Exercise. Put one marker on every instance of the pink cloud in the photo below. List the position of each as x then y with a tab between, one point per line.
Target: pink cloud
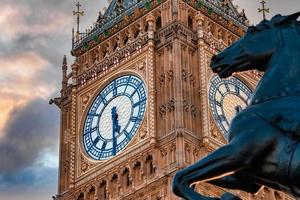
13	22
19	82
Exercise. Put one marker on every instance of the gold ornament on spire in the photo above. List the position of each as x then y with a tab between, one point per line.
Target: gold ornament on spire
264	10
78	13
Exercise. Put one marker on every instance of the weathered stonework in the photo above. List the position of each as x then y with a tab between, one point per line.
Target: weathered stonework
169	46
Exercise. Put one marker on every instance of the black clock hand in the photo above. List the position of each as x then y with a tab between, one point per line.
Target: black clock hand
238	109
113	116
116	127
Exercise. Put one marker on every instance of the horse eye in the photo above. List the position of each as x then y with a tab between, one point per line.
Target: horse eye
252	29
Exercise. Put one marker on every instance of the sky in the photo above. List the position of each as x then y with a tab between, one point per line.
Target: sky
35	34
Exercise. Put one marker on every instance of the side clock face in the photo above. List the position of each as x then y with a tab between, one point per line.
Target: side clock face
114	117
227	98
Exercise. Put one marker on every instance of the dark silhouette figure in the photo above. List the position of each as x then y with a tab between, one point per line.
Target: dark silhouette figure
263	148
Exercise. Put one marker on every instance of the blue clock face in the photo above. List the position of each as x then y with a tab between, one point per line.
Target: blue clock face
227	98
114	117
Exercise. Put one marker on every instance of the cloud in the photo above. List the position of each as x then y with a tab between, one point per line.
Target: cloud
21	73
31	183
29	152
32	18
21	80
31	131
12	17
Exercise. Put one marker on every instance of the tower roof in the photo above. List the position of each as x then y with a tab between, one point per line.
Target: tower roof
118	9
119	6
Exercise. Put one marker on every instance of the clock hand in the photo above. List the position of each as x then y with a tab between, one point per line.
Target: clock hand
116	127
238	109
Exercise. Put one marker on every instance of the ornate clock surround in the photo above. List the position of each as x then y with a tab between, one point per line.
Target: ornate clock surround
226	97
113	90
86	95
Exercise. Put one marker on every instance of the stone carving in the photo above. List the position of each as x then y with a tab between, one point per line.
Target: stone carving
162	111
185	105
263	142
143	132
193	111
184	75
171	105
83	164
170	75
161	80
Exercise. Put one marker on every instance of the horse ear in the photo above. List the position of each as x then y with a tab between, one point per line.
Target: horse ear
286	19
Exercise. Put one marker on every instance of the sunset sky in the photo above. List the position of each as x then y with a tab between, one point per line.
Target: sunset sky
35	34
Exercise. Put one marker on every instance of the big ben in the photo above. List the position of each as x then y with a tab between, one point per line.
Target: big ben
140	102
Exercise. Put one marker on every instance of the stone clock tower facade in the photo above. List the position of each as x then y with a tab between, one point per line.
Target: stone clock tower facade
140	101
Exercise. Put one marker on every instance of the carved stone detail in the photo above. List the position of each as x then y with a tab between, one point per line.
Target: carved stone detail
161	80
162	111
171	105
84	166
170	75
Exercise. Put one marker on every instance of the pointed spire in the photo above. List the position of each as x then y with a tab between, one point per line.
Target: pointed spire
65	60
64	75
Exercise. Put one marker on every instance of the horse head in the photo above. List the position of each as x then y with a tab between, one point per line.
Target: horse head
255	49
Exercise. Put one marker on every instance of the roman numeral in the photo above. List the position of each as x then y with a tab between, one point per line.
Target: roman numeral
222	118
237	90
127	83
89	148
217	103
220	92
115	89
95	142
103	99
138	103
91	130
227	88
93	114
104	145
136	89
126	134
135	119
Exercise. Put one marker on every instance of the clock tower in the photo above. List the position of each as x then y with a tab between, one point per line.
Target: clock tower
140	101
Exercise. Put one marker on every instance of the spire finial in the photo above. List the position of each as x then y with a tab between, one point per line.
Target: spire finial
264	10
64	74
65	60
78	13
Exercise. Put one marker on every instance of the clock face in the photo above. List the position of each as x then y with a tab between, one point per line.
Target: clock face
226	98
114	117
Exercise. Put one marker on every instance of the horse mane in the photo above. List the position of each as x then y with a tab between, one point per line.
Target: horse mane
279	20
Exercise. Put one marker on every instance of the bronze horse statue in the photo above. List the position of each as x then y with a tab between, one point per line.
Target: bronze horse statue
263	145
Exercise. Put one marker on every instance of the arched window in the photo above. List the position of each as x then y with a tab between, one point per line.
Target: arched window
115	45
114	190
146	27
91	194
126	38
158	23
102	194
190	22
149	165
136	33
81	196
137	173
126	178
